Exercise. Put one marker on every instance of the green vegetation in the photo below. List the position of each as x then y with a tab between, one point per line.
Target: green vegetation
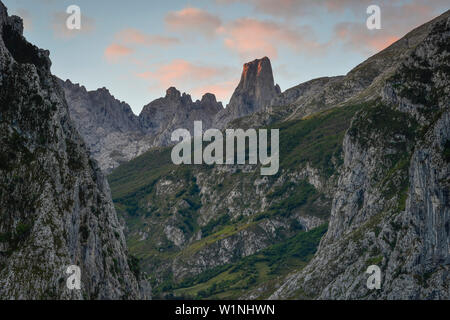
211	226
133	181
149	192
374	261
5	237
394	127
231	281
22	231
316	139
304	193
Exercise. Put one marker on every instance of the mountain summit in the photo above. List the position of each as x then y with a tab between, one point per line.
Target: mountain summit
115	135
254	92
163	116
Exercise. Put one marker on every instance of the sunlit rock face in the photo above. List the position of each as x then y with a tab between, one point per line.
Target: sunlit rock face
254	92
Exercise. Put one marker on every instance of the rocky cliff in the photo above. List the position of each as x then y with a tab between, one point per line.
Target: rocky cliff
112	132
255	91
329	92
163	116
392	204
115	135
55	204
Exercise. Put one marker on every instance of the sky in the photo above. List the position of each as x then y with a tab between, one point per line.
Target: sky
139	48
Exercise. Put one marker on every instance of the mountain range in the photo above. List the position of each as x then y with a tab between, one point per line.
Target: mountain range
363	162
364	180
115	135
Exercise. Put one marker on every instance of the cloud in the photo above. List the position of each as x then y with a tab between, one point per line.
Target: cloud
277	8
361	39
132	36
115	52
396	21
26	17
61	31
191	77
252	38
193	20
181	72
397	17
295	8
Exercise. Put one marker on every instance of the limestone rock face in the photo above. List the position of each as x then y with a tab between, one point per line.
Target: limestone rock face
115	135
163	116
254	92
109	127
391	207
55	204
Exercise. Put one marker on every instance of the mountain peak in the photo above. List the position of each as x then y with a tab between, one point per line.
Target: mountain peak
254	92
257	69
172	92
262	67
209	98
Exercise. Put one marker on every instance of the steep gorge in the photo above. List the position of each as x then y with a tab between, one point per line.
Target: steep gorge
369	147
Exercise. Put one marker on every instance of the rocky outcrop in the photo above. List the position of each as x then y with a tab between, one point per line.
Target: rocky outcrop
361	84
392	208
165	115
195	223
112	132
255	91
55	204
115	135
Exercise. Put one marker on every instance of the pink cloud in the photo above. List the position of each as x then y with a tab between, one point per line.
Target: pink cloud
181	72
396	21
114	52
363	40
295	8
193	20
197	79
254	38
381	43
136	37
